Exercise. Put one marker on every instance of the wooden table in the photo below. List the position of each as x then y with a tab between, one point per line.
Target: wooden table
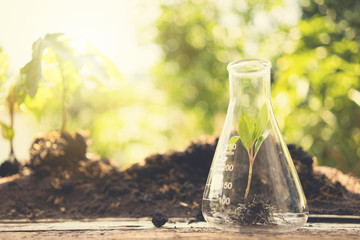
121	228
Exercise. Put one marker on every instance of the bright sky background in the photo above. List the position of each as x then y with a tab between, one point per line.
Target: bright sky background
110	25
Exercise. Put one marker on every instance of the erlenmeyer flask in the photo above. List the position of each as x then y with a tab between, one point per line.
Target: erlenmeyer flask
253	185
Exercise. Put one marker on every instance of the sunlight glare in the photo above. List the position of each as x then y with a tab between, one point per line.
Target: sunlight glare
108	25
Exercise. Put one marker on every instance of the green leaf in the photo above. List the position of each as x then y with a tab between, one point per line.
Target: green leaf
16	93
261	122
232	141
60	46
7	132
244	132
258	144
31	72
251	125
259	141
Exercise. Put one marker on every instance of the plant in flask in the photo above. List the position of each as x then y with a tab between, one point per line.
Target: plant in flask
252	184
252	135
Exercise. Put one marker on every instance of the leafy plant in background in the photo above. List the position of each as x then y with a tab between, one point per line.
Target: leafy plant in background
13	92
125	124
32	71
252	135
65	64
16	93
24	88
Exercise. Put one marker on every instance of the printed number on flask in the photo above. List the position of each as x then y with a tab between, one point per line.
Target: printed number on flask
229	167
227	185
224	201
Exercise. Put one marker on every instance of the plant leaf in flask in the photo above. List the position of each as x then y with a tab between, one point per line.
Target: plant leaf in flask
252	185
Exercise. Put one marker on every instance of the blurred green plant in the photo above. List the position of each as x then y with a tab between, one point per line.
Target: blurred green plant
62	66
198	38
317	85
315	75
127	118
13	91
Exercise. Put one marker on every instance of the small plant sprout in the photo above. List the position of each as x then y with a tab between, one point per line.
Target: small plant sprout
12	94
15	96
252	135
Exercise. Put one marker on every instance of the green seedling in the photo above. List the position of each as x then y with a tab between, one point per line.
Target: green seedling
252	135
32	71
13	92
14	97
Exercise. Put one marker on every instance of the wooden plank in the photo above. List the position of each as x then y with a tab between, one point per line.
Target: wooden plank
175	229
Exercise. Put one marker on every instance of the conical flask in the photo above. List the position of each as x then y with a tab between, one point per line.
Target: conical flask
253	185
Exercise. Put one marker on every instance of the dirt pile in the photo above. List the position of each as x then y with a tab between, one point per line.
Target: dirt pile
57	152
83	186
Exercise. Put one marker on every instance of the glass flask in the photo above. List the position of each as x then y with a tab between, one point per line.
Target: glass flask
253	185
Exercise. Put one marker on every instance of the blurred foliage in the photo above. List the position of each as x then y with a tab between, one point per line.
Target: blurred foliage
127	118
317	85
62	66
198	38
13	91
315	67
313	46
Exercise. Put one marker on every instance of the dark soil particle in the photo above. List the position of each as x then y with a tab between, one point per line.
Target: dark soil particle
64	182
159	219
8	168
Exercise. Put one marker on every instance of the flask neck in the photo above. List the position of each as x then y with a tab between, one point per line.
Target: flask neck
249	84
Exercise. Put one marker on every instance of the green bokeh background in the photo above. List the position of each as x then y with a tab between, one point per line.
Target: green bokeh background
314	50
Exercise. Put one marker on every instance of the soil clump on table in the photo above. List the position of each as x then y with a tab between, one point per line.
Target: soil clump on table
61	181
9	167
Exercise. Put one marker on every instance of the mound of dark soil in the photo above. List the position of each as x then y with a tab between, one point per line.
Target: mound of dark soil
56	152
170	183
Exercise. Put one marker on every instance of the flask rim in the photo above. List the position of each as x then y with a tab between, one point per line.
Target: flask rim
249	65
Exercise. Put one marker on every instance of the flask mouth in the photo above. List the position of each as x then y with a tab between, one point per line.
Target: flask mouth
248	66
